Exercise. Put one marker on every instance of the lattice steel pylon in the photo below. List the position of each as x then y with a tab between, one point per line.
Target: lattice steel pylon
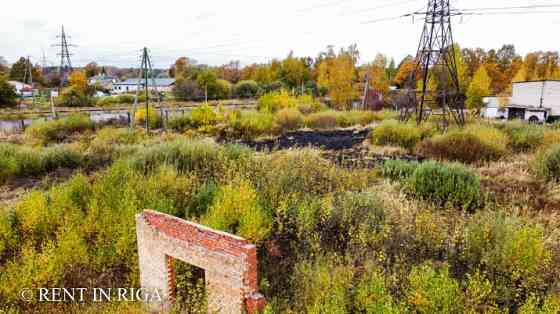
146	74
65	67
436	57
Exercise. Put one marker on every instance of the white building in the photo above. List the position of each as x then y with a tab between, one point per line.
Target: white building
535	101
22	88
131	85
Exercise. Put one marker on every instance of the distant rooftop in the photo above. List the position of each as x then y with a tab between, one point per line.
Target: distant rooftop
159	81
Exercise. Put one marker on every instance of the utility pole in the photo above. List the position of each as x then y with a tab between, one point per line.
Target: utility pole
436	56
366	91
145	74
65	67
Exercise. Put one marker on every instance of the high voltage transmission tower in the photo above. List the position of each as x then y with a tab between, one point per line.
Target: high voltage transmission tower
436	64
435	71
65	67
145	76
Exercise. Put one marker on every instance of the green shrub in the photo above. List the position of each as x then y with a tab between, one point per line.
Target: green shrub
459	146
535	305
452	184
322	286
205	158
372	294
223	89
204	115
289	119
154	119
524	137
512	252
355	117
398	170
20	161
392	132
252	124
306	104
547	164
60	156
322	120
246	89
180	123
58	130
276	101
236	210
433	291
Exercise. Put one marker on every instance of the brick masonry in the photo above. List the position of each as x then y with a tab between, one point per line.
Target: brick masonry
229	262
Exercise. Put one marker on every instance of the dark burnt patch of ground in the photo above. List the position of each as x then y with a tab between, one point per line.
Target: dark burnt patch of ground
344	147
327	140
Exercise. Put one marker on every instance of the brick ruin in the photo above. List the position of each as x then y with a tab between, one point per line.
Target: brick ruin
229	262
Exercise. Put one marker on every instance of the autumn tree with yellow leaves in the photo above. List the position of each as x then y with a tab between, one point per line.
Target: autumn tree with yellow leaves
336	73
478	88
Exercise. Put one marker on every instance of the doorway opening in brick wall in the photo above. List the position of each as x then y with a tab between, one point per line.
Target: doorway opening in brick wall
187	285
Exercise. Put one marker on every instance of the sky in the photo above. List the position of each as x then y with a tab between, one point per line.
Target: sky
217	31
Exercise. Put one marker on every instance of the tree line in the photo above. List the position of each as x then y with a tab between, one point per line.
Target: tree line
336	75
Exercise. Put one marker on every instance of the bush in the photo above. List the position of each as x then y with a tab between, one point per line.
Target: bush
109	143
547	164
223	89
180	123
372	294
512	251
236	210
452	184
289	119
204	115
398	170
306	104
73	97
153	117
276	101
433	291
252	124
58	130
323	286
392	132
355	117
322	120
460	146
204	158
524	137
20	161
246	89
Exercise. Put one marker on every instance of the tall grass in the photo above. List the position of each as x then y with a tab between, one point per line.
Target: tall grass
392	132
59	130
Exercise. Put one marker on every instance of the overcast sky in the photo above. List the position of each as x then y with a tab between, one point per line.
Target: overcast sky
216	31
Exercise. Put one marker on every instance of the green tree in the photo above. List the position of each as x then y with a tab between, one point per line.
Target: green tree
8	94
17	72
479	87
294	72
207	80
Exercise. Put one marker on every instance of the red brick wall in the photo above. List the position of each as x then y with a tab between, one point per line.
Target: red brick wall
214	241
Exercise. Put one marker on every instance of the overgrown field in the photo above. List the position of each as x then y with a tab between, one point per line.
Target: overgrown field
474	228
